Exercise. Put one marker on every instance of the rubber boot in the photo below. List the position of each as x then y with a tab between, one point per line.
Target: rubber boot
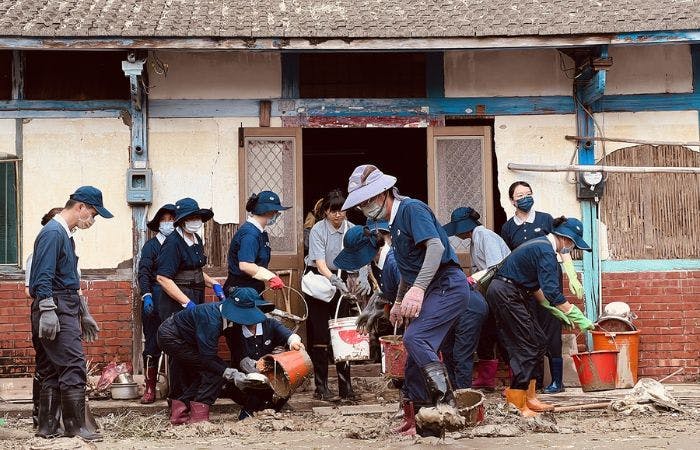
319	358
533	402
518	398
73	406
556	368
150	378
408	425
438	382
485	374
179	412
49	415
36	394
199	412
345	390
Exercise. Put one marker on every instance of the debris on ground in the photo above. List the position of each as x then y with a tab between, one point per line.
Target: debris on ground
440	418
647	397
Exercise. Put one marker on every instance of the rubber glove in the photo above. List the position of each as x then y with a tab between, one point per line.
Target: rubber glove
238	378
147	304
189	305
556	312
89	326
363	286
48	320
575	286
219	291
367	319
339	284
276	283
395	313
576	316
248	365
412	302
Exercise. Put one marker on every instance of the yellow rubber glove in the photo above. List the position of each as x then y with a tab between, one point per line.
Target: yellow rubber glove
575	286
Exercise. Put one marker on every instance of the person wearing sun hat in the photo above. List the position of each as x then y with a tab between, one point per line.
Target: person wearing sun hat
532	270
433	289
191	338
249	252
161	224
60	316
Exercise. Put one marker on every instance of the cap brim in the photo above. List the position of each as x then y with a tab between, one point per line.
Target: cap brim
102	211
353	260
459	227
205	214
268	208
578	241
364	193
242	316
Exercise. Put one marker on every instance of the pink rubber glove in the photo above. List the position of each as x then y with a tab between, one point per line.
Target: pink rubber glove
412	303
395	313
276	283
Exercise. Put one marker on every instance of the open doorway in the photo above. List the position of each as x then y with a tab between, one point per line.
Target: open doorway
330	155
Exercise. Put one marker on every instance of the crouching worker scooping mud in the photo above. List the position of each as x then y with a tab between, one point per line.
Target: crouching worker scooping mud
433	290
191	337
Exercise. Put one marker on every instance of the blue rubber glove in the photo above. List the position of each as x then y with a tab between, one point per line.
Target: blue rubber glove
190	305
219	291
147	304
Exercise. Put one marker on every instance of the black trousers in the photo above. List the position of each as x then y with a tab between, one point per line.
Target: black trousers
518	331
551	327
253	400
150	325
61	362
193	381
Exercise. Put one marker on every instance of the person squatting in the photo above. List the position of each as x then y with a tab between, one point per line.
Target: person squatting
401	261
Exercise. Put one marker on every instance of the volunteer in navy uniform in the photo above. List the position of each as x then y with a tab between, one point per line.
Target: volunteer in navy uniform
532	270
528	224
179	271
60	316
191	338
248	342
433	290
249	252
163	224
325	243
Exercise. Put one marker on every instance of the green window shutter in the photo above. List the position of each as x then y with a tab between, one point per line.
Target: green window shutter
8	214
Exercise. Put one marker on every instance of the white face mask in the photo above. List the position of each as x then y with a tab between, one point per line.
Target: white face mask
193	226
273	220
166	228
374	211
85	222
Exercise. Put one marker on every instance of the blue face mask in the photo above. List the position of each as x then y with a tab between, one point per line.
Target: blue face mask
272	220
525	203
166	228
566	250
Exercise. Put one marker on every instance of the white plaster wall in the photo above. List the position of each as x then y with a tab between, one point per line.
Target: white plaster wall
63	154
650	69
678	126
504	73
217	75
7	138
198	158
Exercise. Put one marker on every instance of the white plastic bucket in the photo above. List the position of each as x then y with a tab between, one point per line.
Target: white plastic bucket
347	343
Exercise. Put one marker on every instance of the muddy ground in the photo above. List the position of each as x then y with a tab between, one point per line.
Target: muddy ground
298	427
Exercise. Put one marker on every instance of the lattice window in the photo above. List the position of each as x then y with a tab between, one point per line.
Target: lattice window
270	166
652	215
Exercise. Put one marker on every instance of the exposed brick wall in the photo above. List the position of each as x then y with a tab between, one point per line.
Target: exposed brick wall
110	305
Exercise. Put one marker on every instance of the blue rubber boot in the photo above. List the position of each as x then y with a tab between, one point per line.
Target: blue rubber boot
556	368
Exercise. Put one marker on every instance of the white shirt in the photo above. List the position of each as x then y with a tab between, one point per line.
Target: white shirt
529	219
487	248
188	241
248	334
255	223
59	218
161	237
394	210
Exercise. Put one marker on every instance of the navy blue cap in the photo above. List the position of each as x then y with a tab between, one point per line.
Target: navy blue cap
382	225
359	247
241	306
461	221
573	229
154	224
268	201
92	196
187	207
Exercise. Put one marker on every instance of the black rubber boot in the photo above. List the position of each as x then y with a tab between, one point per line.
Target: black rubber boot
438	382
36	394
73	404
49	415
345	391
319	358
556	368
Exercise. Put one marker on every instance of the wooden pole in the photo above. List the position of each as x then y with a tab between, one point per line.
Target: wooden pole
599	168
587	406
631	141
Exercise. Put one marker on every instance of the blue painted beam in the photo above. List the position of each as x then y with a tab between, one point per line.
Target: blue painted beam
592	82
648	102
656	37
645	265
67	105
204	108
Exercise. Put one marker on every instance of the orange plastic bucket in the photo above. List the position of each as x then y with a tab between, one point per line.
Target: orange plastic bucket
393	356
286	371
627	343
597	370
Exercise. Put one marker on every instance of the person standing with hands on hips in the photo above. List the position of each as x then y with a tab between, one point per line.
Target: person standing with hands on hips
433	290
163	224
60	316
249	252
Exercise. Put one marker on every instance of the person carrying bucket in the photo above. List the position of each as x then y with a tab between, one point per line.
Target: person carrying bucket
248	343
532	270
433	290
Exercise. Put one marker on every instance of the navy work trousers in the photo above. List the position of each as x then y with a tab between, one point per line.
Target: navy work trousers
150	325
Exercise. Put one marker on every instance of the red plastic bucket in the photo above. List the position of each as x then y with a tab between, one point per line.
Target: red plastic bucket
597	370
393	356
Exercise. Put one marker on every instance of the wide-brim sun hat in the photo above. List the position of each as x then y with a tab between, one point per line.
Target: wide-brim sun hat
187	207
359	247
268	201
241	307
460	222
154	224
92	196
366	181
572	228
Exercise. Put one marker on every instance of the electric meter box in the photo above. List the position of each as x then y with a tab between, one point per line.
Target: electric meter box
139	186
591	186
